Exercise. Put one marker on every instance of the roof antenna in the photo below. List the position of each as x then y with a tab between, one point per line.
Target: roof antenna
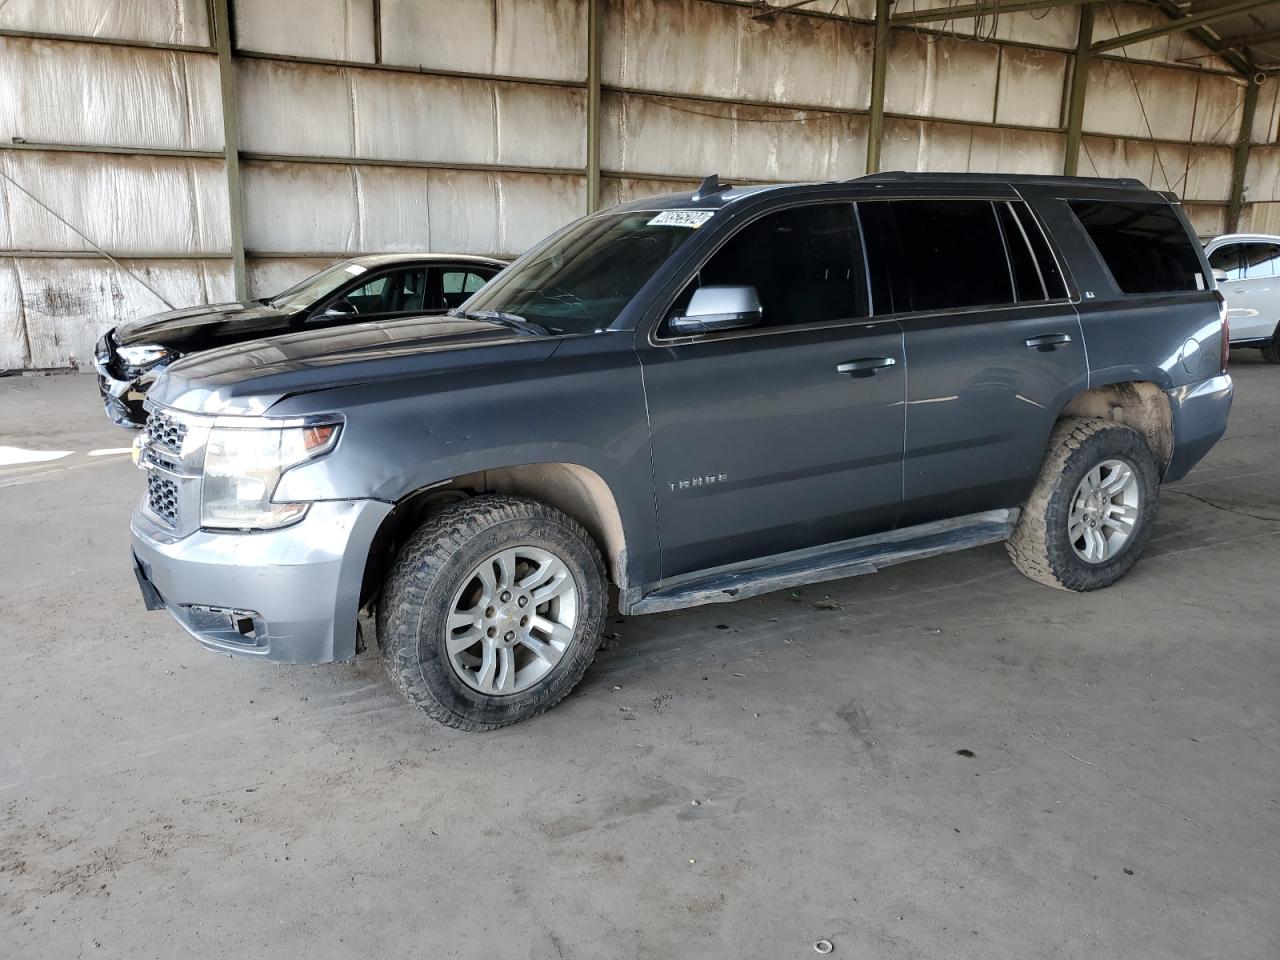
709	188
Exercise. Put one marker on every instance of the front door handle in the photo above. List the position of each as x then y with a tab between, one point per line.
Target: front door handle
1050	341
865	367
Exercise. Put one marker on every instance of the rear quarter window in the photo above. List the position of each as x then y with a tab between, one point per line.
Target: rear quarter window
1144	245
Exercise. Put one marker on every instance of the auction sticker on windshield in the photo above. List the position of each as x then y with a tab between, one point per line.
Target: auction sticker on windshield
682	218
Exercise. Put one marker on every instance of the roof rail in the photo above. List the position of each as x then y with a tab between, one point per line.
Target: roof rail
904	175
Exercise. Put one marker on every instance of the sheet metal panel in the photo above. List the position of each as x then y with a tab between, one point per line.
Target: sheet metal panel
1177	104
625	189
1261	218
941	78
1208	219
132	206
1262	176
312	110
1266	118
1194	173
714	49
691	139
108	96
332	29
517	38
155	21
1030	89
268	276
67	304
335	208
954	147
14	354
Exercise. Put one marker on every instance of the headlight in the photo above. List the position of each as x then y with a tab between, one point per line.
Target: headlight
243	465
143	355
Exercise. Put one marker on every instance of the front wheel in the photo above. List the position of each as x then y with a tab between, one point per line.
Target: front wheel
492	612
1092	509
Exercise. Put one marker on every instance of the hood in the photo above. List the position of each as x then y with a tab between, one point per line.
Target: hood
199	328
248	378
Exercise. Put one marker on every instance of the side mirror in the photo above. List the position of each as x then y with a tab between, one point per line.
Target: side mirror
339	308
718	308
1220	276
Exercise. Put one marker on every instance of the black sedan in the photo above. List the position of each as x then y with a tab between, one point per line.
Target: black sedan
129	357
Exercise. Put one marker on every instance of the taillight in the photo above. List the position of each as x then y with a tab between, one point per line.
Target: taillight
1226	329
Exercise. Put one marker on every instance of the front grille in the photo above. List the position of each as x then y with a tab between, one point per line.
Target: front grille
162	498
166	431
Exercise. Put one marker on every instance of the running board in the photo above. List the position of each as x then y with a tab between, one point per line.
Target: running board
832	561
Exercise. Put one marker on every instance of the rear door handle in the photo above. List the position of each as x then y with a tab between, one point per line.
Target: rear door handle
1050	341
865	366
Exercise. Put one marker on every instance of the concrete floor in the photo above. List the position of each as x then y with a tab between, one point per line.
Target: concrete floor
769	773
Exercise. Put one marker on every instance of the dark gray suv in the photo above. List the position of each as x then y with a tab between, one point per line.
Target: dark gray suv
697	397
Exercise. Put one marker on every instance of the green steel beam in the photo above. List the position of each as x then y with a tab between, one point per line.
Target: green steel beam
1177	26
968	10
221	22
1240	162
1076	93
593	105
879	66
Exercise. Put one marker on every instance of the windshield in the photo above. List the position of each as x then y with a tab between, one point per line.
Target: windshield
583	279
317	287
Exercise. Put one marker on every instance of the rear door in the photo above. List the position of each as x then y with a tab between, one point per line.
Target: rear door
992	344
1252	287
761	444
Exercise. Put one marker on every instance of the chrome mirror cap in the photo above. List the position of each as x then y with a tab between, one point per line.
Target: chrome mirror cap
719	308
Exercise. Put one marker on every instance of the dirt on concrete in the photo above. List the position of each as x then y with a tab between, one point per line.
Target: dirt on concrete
941	760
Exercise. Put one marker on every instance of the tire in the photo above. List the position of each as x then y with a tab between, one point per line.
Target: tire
1271	352
1041	546
438	574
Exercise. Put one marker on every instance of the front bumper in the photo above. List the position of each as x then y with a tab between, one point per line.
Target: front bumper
289	595
1200	412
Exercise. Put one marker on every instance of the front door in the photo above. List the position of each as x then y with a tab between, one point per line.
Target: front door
764	440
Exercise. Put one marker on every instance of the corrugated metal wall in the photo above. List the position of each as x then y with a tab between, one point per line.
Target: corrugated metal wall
398	125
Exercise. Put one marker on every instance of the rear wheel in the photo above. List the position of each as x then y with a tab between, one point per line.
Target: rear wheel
1092	509
492	612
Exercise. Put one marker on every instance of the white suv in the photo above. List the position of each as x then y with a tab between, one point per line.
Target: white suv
1247	269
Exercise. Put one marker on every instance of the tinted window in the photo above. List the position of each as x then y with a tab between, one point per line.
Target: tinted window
1026	276
1055	286
1228	260
1260	260
1144	245
948	253
581	279
803	263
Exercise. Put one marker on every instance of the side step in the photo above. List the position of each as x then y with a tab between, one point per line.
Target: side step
831	561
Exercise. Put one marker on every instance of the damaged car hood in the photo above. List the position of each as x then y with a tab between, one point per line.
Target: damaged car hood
198	328
248	378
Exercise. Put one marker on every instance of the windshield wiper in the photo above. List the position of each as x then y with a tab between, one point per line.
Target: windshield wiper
506	319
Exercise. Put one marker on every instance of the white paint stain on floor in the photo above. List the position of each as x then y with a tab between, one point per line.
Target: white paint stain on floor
14	456
110	451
